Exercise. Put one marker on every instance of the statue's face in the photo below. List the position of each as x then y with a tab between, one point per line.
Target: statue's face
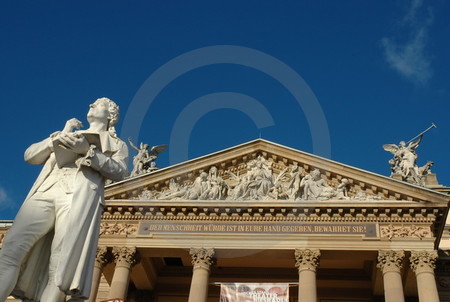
402	144
99	110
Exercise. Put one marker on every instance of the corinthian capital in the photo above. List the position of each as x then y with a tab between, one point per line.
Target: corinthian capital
307	259
202	257
101	256
125	256
390	261
423	261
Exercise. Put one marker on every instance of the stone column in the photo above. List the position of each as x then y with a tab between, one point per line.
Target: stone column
100	262
390	263
423	264
125	258
202	259
307	261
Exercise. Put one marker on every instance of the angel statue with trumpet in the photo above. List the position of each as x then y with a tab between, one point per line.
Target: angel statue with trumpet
144	161
404	162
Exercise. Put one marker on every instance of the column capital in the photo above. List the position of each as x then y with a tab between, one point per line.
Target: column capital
423	261
390	261
125	256
101	257
306	259
202	257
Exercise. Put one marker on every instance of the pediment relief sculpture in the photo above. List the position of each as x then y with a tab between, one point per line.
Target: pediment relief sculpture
257	179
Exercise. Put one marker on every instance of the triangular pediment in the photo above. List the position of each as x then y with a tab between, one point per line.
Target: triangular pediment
265	171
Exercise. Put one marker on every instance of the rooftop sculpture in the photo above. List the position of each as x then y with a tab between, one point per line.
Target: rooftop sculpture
144	161
404	164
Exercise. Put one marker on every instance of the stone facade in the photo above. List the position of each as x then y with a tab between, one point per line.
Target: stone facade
261	212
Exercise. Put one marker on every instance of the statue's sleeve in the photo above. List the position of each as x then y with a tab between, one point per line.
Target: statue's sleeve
112	167
38	153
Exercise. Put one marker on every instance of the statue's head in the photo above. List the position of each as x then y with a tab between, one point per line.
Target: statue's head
315	174
112	110
213	170
105	109
402	144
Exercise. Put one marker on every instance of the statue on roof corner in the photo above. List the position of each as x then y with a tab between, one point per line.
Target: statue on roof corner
404	163
49	250
144	161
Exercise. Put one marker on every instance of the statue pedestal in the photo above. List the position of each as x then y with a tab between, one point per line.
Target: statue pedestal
397	176
431	180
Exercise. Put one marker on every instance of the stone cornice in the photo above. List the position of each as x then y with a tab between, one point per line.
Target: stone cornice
396	219
386	211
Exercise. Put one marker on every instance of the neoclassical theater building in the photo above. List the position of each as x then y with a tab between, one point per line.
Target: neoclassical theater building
262	212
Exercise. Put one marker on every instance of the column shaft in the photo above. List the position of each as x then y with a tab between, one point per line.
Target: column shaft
423	264
307	262
100	261
307	289
426	286
199	285
390	263
202	259
125	259
393	287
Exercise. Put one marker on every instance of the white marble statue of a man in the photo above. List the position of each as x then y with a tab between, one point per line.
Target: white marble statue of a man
49	251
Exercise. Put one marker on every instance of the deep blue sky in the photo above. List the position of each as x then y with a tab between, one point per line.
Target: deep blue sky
380	71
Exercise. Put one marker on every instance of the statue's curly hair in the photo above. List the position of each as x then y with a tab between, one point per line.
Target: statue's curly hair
114	114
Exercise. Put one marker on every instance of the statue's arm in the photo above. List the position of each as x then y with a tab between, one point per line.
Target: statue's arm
38	153
132	145
415	144
112	167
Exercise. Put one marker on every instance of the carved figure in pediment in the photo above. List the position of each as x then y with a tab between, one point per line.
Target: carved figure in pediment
239	190
216	185
362	195
259	173
314	187
199	187
342	189
144	161
207	186
293	187
174	191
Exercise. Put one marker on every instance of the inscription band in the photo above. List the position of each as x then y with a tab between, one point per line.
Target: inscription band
364	229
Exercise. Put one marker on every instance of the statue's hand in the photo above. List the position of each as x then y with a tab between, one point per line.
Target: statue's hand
72	124
75	142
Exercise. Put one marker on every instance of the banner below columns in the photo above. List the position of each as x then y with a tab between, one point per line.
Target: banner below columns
254	292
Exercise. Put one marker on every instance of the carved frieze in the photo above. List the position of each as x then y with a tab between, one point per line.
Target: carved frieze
402	231
260	178
116	228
